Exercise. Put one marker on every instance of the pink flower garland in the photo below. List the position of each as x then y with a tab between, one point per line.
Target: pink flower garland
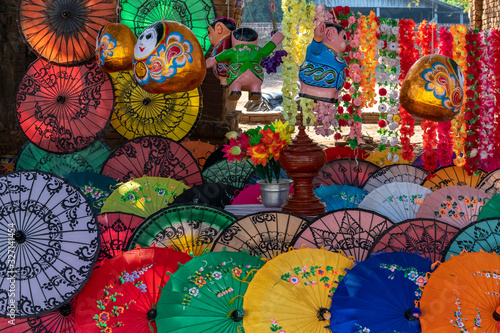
486	100
445	143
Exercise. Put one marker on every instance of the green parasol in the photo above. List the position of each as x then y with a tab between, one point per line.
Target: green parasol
195	14
491	209
186	227
95	186
91	159
234	173
206	294
143	196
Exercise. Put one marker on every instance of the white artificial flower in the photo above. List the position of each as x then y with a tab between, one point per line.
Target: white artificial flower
385	28
394	94
389	156
394	141
473	152
389	117
393	125
395	158
393	46
382	108
394	79
392	110
383	140
335	123
382	60
395	30
380	44
393	63
381	76
483	155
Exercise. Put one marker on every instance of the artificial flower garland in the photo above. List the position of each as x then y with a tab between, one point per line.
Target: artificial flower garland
388	76
426	40
445	143
298	17
408	54
368	61
494	67
457	124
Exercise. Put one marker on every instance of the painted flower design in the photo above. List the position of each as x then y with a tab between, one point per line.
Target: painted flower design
103	316
412	275
194	291
421	280
200	281
236	271
294	280
217	275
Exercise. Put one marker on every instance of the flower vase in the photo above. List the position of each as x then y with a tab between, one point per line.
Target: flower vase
274	194
302	160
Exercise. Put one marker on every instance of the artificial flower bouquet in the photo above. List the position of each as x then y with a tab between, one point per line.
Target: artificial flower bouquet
262	146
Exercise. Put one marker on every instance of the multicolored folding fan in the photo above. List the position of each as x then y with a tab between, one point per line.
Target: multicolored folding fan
398	201
350	230
345	172
453	175
396	173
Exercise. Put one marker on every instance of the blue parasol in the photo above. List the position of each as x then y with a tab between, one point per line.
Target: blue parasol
340	196
95	186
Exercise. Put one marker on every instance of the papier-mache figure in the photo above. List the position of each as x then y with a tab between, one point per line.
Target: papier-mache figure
244	70
219	33
322	74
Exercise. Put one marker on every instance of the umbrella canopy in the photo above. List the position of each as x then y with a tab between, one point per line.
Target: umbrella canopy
116	230
490	209
292	292
123	293
195	14
352	231
378	294
483	235
216	156
340	196
426	237
218	195
64	109
182	227
336	153
453	175
385	158
205	294
53	242
153	156
462	295
396	173
398	201
200	150
143	196
61	320
345	172
491	182
251	195
264	233
140	113
95	186
64	31
90	159
456	205
234	173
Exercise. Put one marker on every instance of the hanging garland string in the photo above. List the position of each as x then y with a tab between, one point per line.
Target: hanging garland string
426	40
457	124
368	61
445	143
408	54
494	66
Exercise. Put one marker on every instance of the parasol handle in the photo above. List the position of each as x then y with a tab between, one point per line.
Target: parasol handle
413	313
496	314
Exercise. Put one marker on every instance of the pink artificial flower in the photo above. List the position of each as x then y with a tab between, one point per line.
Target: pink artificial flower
233	151
356	55
354	43
356	78
357	101
354	68
351	19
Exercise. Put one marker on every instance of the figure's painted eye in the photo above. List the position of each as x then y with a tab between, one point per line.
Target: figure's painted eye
148	36
141	37
345	37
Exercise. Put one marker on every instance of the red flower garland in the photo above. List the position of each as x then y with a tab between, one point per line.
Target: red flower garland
494	40
408	54
427	39
472	107
445	144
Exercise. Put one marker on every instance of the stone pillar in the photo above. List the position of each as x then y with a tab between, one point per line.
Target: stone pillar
476	14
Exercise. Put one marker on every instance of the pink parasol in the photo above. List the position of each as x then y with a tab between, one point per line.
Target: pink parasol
345	172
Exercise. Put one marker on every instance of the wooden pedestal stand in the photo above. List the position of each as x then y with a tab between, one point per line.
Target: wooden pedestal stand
302	159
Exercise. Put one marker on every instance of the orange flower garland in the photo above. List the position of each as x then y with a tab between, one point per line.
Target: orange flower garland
368	62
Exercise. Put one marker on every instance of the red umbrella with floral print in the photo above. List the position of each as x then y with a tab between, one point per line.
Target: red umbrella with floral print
345	172
123	292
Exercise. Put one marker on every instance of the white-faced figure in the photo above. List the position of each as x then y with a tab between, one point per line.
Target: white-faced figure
148	40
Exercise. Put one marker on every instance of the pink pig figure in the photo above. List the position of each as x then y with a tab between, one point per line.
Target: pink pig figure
322	73
244	71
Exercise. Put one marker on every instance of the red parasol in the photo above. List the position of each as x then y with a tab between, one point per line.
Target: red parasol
335	153
64	31
64	109
345	172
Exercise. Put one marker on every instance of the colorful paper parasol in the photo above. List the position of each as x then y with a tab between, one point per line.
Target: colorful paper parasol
191	228
123	293
116	230
261	234
251	195
51	242
195	14
426	237
96	187
139	113
336	153
143	196
385	158
153	156
398	201
455	205
340	196
379	294
234	173
345	172
292	292
352	231
206	294
453	175
396	173
200	150
61	320
218	195
491	182
462	295
490	209
90	159
64	31
64	109
216	156
483	235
